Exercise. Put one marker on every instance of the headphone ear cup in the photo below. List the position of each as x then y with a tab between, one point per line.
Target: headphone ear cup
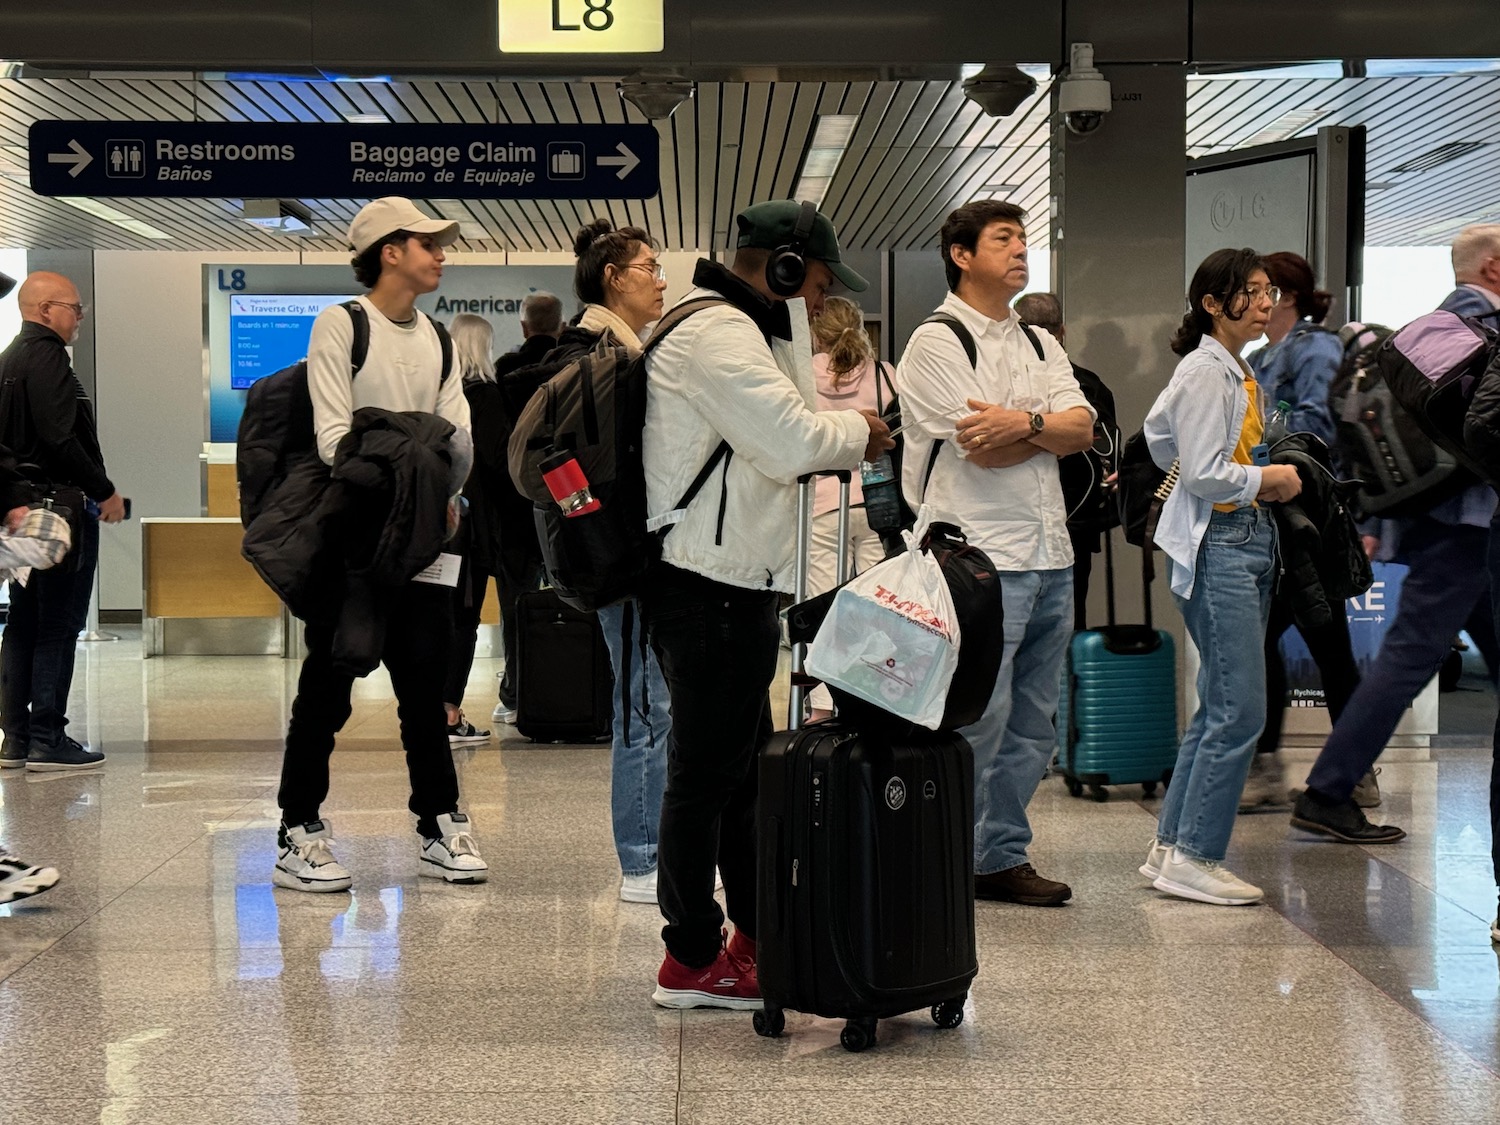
785	272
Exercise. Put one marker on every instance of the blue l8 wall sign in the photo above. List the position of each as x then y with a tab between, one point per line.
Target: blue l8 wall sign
178	159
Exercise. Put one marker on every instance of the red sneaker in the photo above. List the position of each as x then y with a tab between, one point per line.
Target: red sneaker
726	983
742	950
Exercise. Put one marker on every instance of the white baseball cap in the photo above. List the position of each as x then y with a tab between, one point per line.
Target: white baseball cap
387	216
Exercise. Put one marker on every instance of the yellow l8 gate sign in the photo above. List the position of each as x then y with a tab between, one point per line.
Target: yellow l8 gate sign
579	27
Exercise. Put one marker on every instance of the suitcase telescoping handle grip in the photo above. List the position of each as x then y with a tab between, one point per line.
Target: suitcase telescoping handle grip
799	690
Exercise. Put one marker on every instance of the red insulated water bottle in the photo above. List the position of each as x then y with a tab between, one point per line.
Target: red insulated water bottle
569	487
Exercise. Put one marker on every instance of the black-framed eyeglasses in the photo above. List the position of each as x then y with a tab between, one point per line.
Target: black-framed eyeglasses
79	310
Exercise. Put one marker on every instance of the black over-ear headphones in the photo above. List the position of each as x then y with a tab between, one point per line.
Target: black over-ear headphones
786	269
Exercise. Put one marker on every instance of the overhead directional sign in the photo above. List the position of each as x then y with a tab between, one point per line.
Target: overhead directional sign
180	159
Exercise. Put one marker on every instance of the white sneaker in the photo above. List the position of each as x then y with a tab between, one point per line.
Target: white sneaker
1204	880
1151	869
639	888
18	879
453	856
504	714
305	861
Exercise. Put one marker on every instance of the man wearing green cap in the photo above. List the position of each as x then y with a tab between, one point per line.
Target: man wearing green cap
737	375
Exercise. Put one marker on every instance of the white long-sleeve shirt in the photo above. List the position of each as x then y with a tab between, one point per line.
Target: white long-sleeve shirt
402	371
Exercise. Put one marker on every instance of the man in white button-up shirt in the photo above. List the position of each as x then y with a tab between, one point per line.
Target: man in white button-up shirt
983	440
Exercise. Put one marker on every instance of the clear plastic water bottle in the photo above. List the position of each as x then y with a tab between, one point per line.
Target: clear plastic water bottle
1278	425
877	479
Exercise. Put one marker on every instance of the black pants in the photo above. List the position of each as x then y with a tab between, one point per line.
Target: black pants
717	646
1085	543
418	635
468	600
1331	652
1492	560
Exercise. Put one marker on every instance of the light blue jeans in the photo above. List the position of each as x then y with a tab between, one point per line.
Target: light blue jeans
1014	739
643	723
1226	617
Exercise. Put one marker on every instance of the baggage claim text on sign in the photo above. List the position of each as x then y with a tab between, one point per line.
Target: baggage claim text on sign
178	159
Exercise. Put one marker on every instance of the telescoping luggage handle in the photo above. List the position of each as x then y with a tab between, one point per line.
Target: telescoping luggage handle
801	683
1129	640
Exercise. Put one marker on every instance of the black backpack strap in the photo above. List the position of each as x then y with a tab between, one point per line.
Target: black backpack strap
445	342
359	350
882	376
675	316
961	330
1036	343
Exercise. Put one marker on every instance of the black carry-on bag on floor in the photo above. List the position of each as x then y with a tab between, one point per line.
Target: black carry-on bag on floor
564	686
866	867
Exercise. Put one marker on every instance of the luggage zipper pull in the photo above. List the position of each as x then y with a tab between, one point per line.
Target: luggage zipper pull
794	872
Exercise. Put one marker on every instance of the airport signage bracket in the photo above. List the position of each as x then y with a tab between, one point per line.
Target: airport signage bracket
209	160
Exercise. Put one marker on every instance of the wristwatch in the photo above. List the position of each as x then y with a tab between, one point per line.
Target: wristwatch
1037	423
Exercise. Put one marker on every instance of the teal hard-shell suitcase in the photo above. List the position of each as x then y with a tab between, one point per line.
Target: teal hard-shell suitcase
1119	705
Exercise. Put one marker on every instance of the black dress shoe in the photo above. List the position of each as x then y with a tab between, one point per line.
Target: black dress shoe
1342	820
1021	884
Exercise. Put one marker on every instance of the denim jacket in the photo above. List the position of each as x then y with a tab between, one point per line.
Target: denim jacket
1197	419
1298	370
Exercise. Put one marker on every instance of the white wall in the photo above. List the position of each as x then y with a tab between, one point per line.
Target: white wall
1403	282
148	341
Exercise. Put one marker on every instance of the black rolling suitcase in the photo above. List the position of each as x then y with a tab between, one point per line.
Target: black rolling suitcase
564	686
866	872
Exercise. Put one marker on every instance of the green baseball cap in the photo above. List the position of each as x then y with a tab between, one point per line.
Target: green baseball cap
771	225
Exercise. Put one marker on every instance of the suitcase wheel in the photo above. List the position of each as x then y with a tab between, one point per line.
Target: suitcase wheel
858	1035
769	1022
1099	793
949	1014
1148	789
1075	788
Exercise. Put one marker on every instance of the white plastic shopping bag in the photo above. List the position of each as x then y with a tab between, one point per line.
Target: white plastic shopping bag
891	638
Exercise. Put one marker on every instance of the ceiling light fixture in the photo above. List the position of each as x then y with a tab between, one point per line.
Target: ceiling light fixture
113	215
367	119
277	216
824	151
999	89
656	93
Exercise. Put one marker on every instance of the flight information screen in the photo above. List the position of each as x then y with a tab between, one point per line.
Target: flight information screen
269	333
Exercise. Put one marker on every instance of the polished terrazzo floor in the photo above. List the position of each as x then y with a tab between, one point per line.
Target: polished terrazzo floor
165	981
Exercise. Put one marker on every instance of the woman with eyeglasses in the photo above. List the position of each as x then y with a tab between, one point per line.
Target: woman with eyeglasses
621	284
1297	368
1220	541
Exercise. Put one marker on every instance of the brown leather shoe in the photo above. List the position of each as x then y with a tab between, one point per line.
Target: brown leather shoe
1021	884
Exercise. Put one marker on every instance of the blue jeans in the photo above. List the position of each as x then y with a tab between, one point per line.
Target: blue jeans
1226	617
643	723
41	636
1014	739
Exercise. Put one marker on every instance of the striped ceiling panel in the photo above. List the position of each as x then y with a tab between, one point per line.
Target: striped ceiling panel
918	150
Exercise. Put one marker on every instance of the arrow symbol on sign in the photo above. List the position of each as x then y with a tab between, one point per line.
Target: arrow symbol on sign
626	161
79	158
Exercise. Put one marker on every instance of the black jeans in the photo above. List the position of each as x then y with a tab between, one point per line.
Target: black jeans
1447	576
1331	652
41	634
519	569
418	635
717	646
1493	566
468	600
1085	543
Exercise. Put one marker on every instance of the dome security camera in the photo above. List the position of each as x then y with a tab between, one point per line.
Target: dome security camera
999	89
1083	97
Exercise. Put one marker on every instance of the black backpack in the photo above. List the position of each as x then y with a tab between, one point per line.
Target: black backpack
276	429
1088	501
1402	471
595	407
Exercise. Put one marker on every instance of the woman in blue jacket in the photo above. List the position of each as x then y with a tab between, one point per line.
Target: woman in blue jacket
1297	368
1221	544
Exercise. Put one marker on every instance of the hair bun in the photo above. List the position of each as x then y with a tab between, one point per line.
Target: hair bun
591	234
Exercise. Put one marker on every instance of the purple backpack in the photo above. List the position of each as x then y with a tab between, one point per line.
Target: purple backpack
1434	367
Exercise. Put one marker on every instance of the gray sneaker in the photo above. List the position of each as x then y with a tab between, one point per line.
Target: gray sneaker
1265	788
1367	792
69	754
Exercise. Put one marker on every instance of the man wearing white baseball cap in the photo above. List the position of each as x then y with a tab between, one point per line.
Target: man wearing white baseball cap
398	257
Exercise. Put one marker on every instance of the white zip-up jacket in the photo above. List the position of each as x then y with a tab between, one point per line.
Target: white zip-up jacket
741	373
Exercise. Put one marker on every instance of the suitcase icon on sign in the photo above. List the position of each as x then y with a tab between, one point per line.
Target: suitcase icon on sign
565	160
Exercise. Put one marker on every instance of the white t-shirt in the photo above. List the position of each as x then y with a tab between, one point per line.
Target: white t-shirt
402	371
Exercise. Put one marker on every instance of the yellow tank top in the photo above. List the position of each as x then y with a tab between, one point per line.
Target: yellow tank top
1252	433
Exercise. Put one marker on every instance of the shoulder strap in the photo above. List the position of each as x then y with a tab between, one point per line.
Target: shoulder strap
359	350
445	342
676	315
961	330
1035	342
882	376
